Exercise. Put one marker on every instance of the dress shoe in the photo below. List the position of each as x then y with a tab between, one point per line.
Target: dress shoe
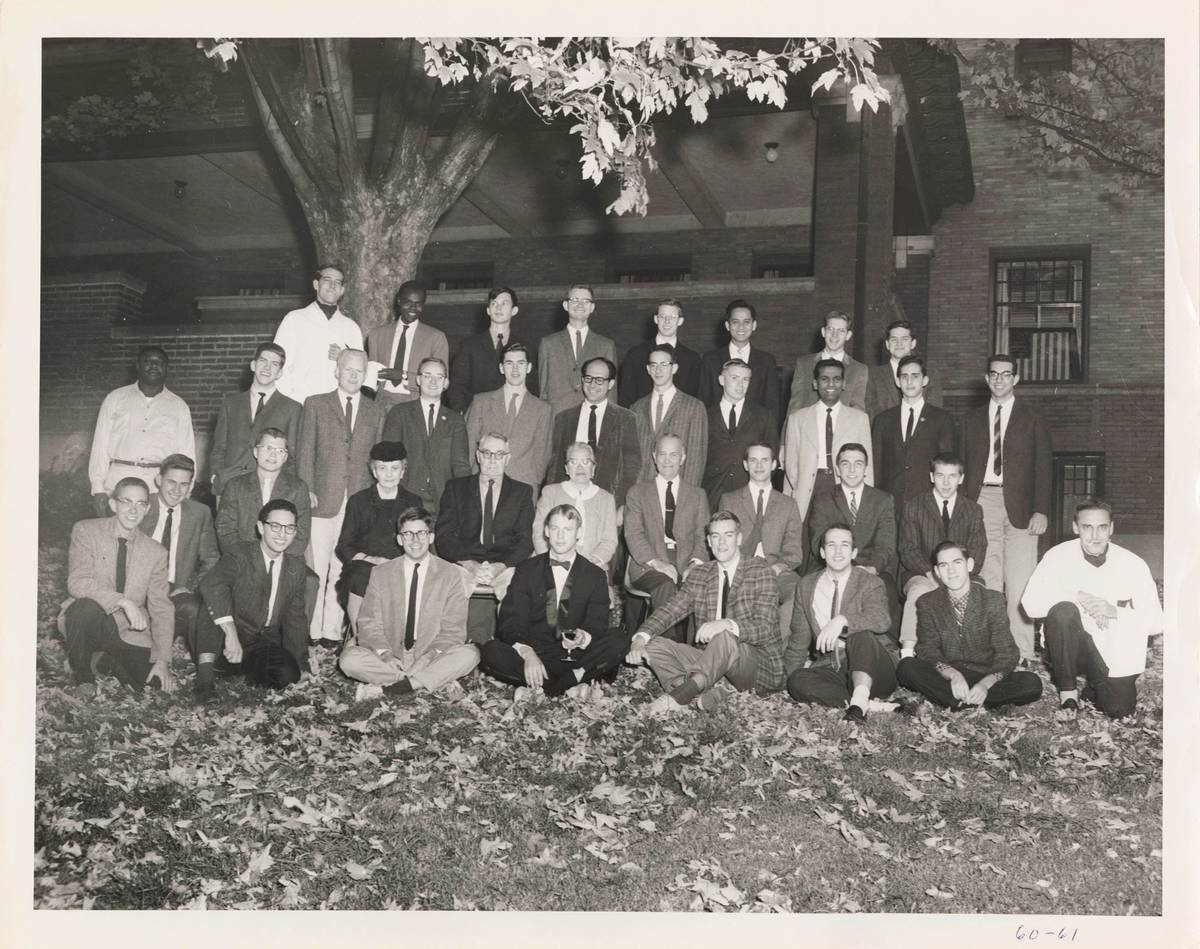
855	713
1069	705
206	694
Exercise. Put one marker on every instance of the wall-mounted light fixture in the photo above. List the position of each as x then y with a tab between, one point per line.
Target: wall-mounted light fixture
770	152
180	189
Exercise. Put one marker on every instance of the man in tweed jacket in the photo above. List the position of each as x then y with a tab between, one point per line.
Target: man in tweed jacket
733	599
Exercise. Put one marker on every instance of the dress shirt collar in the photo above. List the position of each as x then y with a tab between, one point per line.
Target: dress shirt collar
600	407
426	403
739	352
343	396
510	391
826	354
268	391
569	559
731	567
659	339
1006	404
937	501
726	405
905	405
668	393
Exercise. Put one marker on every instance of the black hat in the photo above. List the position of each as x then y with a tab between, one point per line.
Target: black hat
388	451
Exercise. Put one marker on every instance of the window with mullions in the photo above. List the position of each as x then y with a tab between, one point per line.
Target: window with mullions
1040	314
1077	477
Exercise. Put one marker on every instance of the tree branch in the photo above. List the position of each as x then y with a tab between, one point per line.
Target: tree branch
1095	149
470	141
309	193
332	62
406	112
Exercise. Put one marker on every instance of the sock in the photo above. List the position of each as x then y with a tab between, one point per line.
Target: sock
861	696
204	669
579	673
689	690
399	687
1068	694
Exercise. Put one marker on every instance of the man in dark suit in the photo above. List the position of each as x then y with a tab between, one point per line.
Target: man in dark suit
965	652
244	496
741	322
613	435
243	416
906	436
734	423
944	513
561	355
668	409
841	649
254	600
119	600
634	384
396	349
474	367
434	436
733	602
552	636
883	383
185	528
485	524
337	430
835	330
1010	472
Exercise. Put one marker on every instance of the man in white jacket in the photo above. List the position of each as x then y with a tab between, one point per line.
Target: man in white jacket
1100	603
314	335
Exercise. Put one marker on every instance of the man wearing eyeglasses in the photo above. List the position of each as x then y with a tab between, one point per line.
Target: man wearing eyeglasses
244	496
120	602
243	416
314	336
434	436
514	412
412	628
254	606
485	524
1010	472
561	355
633	383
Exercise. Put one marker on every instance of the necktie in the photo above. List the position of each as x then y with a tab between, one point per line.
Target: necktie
946	518
349	420
121	550
853	507
410	619
489	511
758	508
960	608
166	539
732	422
724	594
669	505
658	415
512	408
270	583
836	607
578	345
997	447
829	439
402	348
499	347
262	397
592	428
430	432
909	427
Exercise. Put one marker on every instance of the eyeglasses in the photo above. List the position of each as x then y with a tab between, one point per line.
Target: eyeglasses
271	450
595	380
576	301
133	503
278	528
1001	376
493	455
431	377
412	536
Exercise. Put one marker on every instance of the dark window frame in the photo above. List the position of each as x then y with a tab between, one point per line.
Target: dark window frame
1041	57
1062	512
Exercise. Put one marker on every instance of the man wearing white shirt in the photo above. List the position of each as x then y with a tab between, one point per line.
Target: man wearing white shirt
667	409
883	382
561	355
735	422
138	426
517	414
634	383
836	332
1100	603
314	336
741	323
396	349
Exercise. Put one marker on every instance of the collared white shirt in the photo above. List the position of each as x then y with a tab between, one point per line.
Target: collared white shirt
989	475
581	330
274	574
739	352
483	489
937	500
659	340
408	351
266	485
354	399
856	492
822	603
255	391
132	427
729	569
726	405
667	395
826	354
822	414
422	574
585	412
917	408
425	406
161	525
560	575
520	392
660	485
765	491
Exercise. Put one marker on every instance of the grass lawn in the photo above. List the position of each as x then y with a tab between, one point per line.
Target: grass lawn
306	799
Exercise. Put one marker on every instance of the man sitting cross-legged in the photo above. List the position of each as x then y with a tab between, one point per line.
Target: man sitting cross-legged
412	627
552	635
966	653
842	613
733	599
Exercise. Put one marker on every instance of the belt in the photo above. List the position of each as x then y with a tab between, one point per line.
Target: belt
993	485
135	464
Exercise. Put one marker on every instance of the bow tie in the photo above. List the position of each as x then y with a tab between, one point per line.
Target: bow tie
565	564
1095	561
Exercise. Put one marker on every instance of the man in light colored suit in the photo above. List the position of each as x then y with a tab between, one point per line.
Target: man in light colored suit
243	416
836	332
514	412
315	335
395	350
883	382
772	527
434	436
337	430
244	496
667	409
561	355
412	628
814	434
120	600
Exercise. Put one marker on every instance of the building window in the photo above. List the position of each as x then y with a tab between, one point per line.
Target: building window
778	266
1077	476
1040	313
458	276
1041	58
652	270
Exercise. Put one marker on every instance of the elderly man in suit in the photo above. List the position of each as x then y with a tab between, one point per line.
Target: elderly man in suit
244	496
561	355
552	637
835	330
763	389
523	418
411	632
337	430
732	600
907	435
1010	472
965	652
120	600
611	431
883	382
243	416
185	528
314	336
841	651
667	409
773	529
634	384
814	434
664	526
473	370
395	350
485	524
944	513
734	423
434	437
254	600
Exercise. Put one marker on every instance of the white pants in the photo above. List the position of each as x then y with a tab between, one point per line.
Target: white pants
431	672
914	589
328	617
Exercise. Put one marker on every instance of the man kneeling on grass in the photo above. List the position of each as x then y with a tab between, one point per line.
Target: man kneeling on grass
841	612
552	635
734	601
966	653
412	626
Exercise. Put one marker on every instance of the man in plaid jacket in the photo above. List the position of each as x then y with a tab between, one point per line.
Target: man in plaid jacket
734	600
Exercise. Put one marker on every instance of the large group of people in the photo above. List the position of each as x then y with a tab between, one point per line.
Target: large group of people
420	517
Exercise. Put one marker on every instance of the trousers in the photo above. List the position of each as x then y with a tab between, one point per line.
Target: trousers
920	675
723	657
1071	652
431	672
830	686
602	655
